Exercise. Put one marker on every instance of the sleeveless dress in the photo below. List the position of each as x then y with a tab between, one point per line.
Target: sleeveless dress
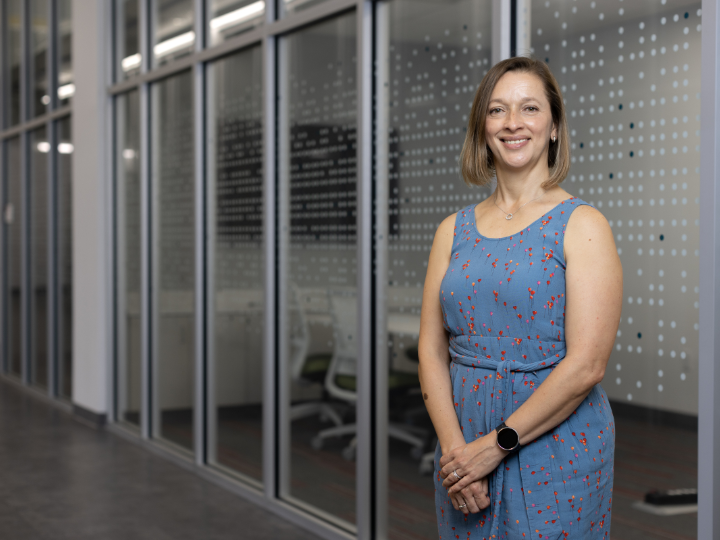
503	303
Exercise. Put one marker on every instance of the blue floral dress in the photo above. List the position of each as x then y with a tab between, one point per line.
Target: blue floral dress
503	302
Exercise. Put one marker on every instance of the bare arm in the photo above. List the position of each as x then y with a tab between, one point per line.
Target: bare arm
434	369
592	314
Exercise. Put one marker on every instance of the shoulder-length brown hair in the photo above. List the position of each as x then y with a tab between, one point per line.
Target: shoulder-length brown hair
476	159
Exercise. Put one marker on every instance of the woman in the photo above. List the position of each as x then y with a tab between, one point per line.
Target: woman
524	290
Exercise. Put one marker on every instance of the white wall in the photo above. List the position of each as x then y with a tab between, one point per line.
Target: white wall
92	299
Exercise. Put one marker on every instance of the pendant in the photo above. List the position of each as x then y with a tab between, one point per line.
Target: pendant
509	216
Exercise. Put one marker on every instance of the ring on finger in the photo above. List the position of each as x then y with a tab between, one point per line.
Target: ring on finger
456	474
462	505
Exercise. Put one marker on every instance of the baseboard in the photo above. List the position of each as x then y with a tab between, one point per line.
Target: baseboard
91	418
650	415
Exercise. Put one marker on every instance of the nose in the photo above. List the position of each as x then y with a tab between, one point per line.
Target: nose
514	121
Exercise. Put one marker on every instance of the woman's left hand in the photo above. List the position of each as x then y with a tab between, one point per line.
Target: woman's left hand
471	462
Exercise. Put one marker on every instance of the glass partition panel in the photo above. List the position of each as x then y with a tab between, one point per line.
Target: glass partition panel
127	39
14	216
173	33
228	18
431	58
235	254
38	180
289	7
64	257
317	265
14	57
38	78
128	257
173	259
630	76
66	87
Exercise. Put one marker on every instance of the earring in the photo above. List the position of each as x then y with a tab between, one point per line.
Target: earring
553	139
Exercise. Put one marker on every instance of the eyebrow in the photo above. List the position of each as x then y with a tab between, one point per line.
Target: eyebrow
524	100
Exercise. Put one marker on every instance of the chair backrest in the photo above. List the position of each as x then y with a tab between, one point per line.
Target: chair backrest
343	307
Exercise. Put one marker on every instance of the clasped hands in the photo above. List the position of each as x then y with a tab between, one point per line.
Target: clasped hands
465	469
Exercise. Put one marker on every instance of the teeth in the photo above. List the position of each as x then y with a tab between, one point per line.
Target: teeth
516	141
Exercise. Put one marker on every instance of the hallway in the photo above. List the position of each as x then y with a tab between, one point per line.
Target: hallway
63	480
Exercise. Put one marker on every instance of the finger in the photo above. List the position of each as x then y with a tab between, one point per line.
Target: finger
454	502
451	479
471	503
462	504
462	483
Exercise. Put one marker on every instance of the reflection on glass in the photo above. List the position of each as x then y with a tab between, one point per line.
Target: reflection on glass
127	32
128	257
39	34
173	258
228	18
288	7
318	265
631	82
14	52
173	34
14	221
66	88
236	293
64	257
427	75
39	149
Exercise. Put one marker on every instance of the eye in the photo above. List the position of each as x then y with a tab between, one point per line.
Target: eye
531	108
495	110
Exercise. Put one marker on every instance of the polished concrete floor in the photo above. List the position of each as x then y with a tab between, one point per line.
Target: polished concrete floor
60	479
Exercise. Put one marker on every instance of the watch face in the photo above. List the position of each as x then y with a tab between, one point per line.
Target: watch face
507	438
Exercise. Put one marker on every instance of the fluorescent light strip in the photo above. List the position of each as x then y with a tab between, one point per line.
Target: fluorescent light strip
238	16
63	148
173	44
66	91
131	62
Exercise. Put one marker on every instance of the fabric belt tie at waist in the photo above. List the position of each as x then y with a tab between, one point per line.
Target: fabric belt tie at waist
539	494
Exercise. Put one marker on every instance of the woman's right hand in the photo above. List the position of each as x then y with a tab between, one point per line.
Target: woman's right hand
475	496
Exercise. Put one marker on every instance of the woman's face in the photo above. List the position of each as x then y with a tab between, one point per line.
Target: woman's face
519	124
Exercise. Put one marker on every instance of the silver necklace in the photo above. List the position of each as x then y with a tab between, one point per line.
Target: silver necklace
508	215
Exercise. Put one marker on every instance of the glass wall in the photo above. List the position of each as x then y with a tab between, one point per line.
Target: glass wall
244	139
236	282
317	264
14	217
128	257
173	30
229	18
39	37
127	42
65	85
431	60
64	292
13	42
39	213
173	258
631	81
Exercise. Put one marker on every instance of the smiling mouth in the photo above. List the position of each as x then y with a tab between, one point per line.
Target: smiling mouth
514	141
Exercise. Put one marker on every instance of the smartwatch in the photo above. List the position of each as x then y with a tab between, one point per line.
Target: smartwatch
507	438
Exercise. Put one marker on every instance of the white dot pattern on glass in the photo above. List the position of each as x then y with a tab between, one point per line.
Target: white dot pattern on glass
631	86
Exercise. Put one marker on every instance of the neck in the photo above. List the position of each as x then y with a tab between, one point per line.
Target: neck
516	187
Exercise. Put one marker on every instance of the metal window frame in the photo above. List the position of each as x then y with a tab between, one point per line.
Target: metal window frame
709	357
372	407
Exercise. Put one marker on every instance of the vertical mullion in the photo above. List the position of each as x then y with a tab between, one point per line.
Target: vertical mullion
4	250
501	30
381	183
52	258
271	433
52	55
709	348
365	369
146	319
198	77
25	327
